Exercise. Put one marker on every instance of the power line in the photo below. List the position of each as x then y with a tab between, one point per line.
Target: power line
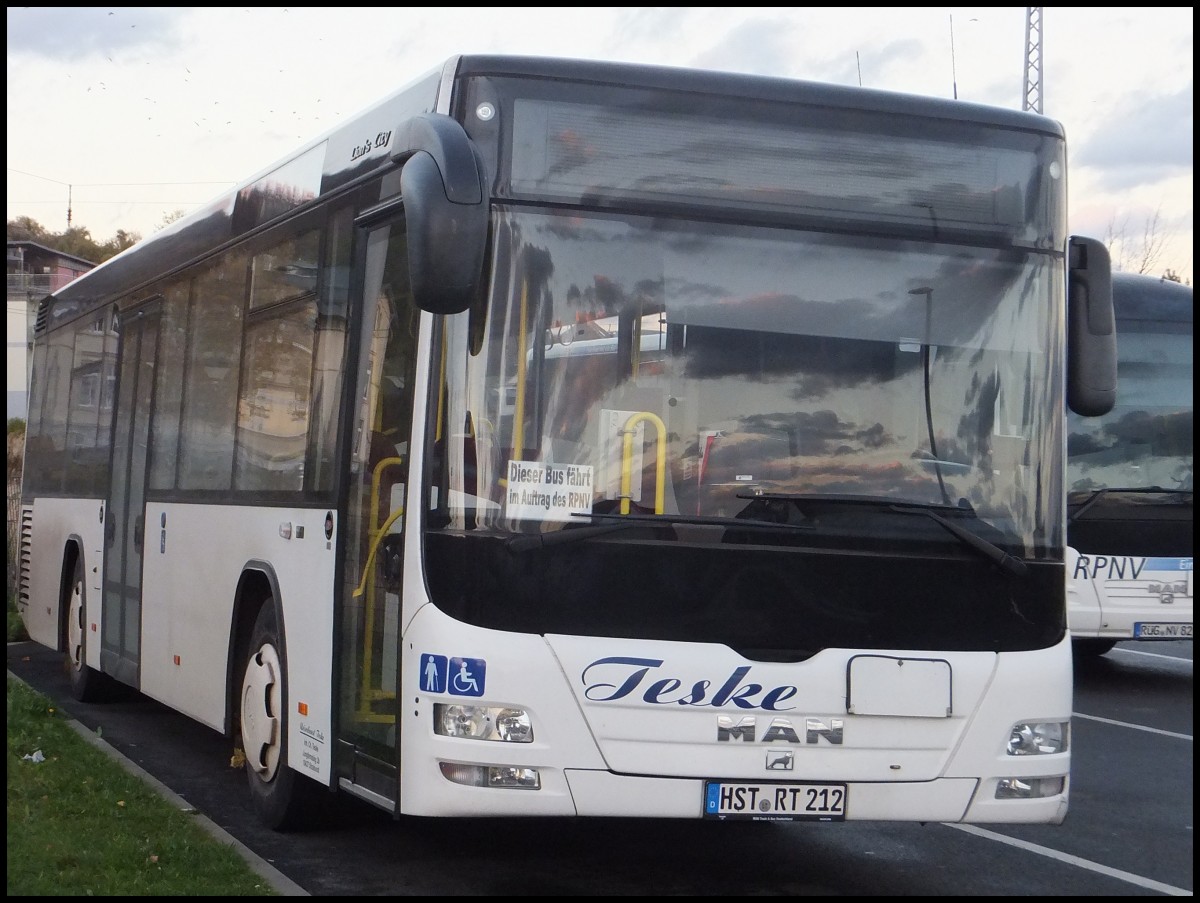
59	201
112	184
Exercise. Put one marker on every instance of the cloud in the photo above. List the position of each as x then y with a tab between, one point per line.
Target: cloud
757	46
1141	141
69	33
169	95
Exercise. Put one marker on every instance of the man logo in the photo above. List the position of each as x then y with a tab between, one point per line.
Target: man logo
780	729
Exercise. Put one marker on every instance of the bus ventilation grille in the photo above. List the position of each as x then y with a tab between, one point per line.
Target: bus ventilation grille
26	547
43	316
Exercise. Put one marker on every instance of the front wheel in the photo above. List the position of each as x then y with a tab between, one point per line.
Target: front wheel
281	798
87	684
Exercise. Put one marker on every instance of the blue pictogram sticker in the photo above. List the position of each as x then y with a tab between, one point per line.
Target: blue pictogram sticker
433	673
456	676
467	676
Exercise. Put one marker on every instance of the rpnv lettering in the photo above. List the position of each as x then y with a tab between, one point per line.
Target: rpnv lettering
1117	567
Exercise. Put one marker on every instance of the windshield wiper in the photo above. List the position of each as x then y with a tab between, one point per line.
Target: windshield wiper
615	522
1124	490
988	549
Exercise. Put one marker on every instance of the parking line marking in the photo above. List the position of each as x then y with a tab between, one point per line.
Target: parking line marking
1174	658
1147	883
1136	727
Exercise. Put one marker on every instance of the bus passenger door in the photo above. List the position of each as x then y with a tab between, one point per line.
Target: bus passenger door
371	598
124	515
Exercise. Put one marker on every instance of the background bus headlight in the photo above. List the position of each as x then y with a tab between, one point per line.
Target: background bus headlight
477	722
1038	738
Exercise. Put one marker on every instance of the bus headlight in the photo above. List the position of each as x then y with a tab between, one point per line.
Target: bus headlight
477	722
508	777
1038	738
1029	788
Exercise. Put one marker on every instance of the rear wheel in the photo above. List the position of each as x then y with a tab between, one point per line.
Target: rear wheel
281	797
87	684
1091	646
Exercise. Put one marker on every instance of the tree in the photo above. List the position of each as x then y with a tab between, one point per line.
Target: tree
169	218
24	228
120	242
1140	255
77	242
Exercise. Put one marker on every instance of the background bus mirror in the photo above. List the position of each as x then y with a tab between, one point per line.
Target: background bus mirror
446	212
1091	329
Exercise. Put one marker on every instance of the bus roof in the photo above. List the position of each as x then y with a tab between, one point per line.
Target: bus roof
362	146
1141	297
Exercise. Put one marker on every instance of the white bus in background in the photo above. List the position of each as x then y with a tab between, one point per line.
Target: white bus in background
790	548
1129	480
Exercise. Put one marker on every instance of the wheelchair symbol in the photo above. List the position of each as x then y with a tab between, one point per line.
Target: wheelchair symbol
467	676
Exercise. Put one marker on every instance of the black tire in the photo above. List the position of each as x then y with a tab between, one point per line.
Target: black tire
87	684
282	799
1091	647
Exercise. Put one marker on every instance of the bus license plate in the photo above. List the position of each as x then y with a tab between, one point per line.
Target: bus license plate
775	802
1146	631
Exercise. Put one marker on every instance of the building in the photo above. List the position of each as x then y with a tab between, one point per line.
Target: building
34	271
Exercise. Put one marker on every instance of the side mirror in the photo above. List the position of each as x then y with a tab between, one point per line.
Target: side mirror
1091	329
444	189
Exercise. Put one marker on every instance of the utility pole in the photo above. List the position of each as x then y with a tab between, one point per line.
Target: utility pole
1032	94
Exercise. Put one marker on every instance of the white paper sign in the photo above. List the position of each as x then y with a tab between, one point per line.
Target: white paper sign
538	491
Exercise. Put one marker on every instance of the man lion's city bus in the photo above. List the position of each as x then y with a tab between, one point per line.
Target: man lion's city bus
1129	480
577	438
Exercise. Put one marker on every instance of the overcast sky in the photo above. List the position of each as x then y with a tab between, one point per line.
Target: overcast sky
126	114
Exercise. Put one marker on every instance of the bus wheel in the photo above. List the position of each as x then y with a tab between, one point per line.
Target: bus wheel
87	684
275	789
1090	647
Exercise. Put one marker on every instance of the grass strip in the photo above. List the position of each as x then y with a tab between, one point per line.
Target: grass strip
81	825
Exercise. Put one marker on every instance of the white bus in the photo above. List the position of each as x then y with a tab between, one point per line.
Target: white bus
321	466
1129	480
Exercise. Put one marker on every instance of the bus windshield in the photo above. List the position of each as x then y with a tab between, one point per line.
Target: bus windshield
631	364
1146	441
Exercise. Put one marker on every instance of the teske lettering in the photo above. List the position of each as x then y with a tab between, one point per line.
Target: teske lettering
616	677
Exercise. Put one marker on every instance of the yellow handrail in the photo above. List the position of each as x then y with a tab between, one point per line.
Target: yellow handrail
362	584
660	469
376	536
519	401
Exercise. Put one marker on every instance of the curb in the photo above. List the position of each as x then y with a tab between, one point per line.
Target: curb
282	884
